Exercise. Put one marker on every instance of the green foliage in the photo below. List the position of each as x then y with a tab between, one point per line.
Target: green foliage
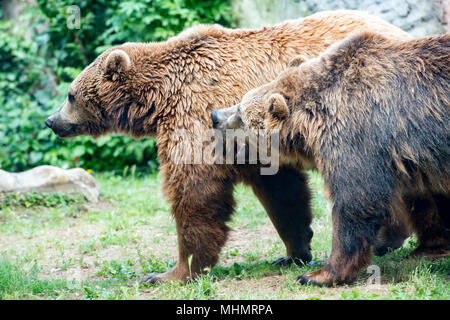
35	199
153	265
35	72
22	92
119	270
105	23
245	270
16	282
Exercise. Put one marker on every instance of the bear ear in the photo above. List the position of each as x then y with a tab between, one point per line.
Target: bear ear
298	60
278	106
116	64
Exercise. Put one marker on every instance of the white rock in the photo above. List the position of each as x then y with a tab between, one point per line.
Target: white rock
417	17
50	179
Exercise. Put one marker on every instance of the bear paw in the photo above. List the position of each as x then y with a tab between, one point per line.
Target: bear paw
175	274
287	261
152	278
321	278
433	253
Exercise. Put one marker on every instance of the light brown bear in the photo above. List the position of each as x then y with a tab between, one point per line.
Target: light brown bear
374	115
160	89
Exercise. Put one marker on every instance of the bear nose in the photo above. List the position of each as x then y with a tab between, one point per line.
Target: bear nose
49	123
215	118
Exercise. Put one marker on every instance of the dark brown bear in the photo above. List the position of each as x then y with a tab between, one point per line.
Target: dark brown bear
160	89
373	114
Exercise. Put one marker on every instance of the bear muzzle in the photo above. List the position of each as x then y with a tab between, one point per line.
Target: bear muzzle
61	127
221	118
215	119
49	123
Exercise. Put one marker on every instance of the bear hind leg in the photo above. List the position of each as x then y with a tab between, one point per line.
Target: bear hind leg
286	198
431	220
397	229
391	237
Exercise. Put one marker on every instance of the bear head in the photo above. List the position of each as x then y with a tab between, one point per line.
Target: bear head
268	107
112	94
286	109
259	104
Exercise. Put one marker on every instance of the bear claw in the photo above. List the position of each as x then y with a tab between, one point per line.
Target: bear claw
151	279
283	262
431	253
304	279
287	261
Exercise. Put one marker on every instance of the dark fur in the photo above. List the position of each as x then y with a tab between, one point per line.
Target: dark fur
374	115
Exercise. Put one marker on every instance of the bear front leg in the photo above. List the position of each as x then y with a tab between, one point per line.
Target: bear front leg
286	198
354	233
200	211
199	245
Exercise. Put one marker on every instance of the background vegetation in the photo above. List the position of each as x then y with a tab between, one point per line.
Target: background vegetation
39	59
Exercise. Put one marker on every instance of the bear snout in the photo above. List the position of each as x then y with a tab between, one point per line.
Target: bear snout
61	127
49	123
215	118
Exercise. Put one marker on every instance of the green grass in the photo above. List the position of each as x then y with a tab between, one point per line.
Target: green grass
62	247
34	199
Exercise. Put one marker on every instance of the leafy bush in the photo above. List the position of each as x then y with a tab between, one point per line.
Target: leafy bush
105	23
35	199
36	72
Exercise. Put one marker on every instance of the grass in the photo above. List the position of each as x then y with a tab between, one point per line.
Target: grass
62	247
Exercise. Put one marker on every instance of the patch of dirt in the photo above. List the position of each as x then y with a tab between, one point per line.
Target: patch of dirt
60	257
273	287
248	287
58	253
98	206
245	240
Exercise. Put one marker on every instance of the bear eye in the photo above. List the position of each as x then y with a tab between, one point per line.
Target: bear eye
71	97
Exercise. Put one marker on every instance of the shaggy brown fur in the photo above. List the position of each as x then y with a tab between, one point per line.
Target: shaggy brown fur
373	114
153	89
